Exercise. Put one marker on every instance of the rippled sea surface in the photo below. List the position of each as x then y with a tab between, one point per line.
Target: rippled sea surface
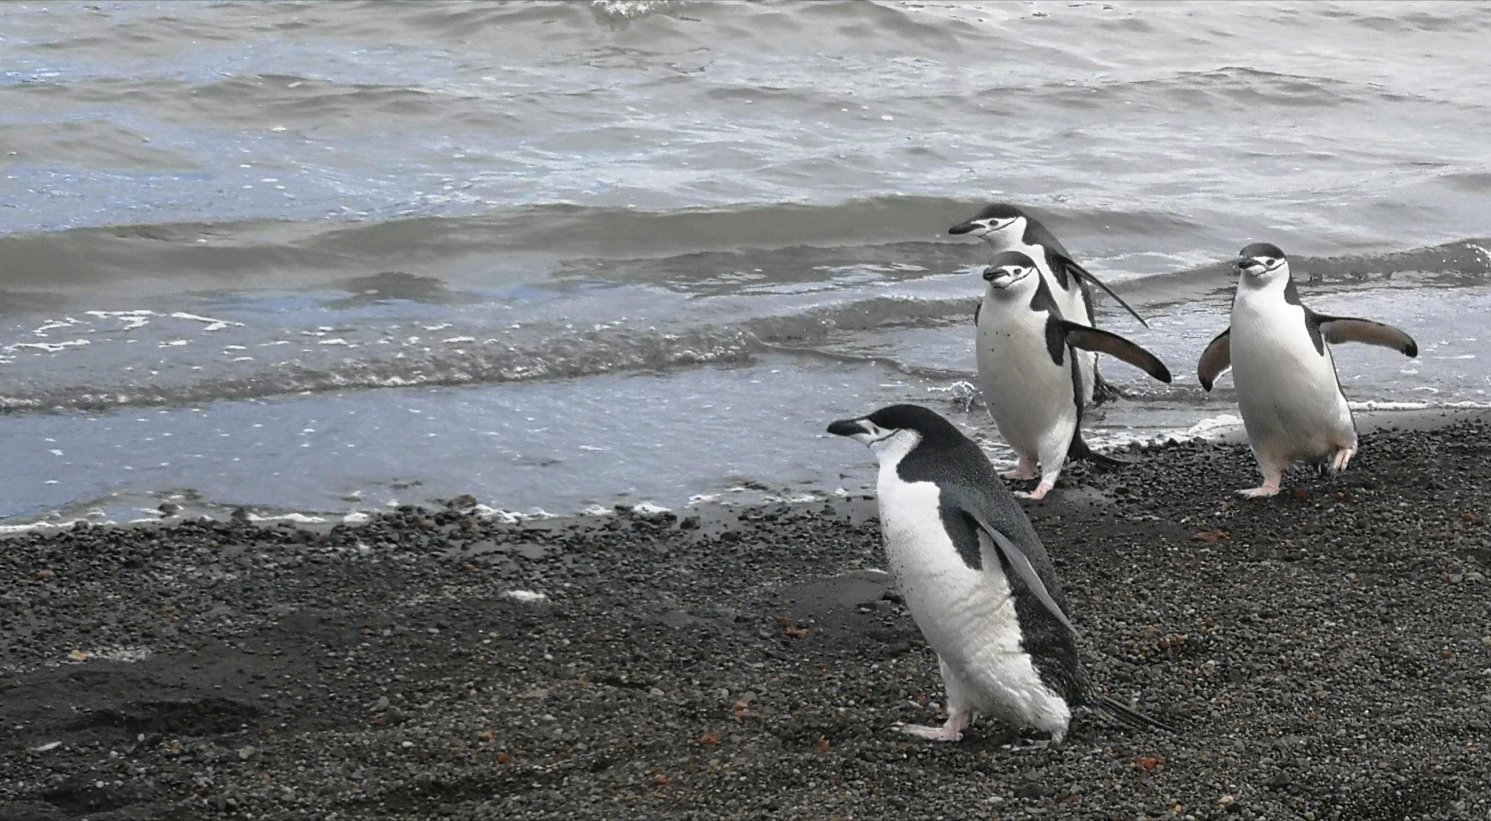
323	257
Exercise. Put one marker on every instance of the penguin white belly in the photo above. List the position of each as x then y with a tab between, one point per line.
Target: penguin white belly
1291	403
1029	396
966	615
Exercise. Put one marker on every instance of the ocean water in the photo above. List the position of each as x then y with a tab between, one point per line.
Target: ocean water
321	258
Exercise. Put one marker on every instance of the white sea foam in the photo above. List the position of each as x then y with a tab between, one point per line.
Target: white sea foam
1209	426
212	324
1383	405
297	518
54	325
132	319
49	347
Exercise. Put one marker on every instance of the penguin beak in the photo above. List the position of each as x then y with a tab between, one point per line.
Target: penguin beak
999	277
969	227
1249	265
846	427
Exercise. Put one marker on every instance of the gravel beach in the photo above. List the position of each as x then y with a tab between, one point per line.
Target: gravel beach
1325	654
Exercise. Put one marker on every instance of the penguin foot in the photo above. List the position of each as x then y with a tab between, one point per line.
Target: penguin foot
1020	471
1341	459
951	730
1104	391
1035	495
1259	492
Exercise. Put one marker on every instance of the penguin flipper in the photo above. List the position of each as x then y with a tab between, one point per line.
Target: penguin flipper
1216	358
1019	561
1126	715
1086	275
1096	339
1338	329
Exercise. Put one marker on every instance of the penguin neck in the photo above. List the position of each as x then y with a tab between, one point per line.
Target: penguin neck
1278	287
892	450
1010	240
1001	305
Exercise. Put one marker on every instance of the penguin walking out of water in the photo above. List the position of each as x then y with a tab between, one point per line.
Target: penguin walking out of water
976	579
1287	389
1031	374
1008	228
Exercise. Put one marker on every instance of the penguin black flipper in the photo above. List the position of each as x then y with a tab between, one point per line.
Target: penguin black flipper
1216	358
1124	714
976	309
1063	265
1096	339
1338	329
1085	275
969	505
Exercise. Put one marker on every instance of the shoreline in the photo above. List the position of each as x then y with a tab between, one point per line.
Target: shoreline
1367	420
1323	653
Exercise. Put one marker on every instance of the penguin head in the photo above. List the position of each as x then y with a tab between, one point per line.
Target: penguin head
1009	269
1262	263
896	430
998	222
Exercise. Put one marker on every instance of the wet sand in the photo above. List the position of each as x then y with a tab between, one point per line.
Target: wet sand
1325	654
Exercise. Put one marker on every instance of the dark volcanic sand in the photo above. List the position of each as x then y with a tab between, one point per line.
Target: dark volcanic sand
1329	658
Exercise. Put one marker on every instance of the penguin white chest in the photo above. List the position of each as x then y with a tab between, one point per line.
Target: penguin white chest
960	610
1287	391
1030	397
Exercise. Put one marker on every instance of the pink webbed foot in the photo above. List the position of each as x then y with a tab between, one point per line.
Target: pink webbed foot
1024	470
1341	459
1259	492
1039	493
951	730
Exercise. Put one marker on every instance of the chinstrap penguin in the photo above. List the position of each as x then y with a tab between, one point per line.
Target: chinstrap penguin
1008	228
976	579
1030	373
1287	388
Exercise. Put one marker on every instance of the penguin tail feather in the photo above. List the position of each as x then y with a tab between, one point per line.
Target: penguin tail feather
1080	450
1127	716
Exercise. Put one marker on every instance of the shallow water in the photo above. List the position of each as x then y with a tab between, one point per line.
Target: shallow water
557	255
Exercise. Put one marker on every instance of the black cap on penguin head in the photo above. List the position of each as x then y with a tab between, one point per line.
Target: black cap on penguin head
1007	259
1260	258
995	212
1261	249
933	428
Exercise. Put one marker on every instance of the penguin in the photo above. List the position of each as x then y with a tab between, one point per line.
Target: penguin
976	579
1008	228
1030	374
1287	388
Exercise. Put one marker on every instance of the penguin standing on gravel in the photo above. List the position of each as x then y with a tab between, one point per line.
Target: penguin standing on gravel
1008	228
1031	373
976	579
1287	388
